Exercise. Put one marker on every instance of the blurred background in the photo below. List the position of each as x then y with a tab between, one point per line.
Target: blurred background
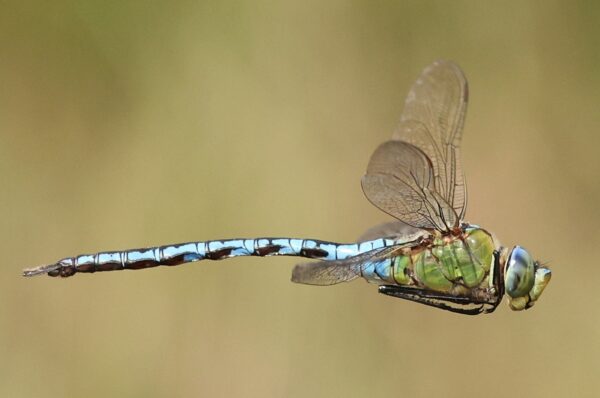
131	124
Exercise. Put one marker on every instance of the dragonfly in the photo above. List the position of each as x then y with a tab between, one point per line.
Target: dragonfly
427	255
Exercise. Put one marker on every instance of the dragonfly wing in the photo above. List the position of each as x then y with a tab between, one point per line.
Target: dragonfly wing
432	120
399	181
394	229
325	273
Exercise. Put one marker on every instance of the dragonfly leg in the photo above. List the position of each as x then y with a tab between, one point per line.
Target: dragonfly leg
461	305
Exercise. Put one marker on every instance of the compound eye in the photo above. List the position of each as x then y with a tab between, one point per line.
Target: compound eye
520	273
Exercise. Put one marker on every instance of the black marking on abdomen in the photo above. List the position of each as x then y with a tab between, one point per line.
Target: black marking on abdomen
142	264
175	260
86	267
109	266
314	252
267	250
219	254
63	272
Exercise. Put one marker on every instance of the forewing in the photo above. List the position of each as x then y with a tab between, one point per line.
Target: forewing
433	120
399	181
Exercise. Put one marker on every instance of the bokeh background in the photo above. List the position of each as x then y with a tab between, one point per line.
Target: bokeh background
130	124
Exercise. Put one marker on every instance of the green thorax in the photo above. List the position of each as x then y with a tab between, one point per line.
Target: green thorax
448	263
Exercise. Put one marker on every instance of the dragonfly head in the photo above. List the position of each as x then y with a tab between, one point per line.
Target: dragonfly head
524	279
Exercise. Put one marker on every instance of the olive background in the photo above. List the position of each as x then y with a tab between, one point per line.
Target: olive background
132	124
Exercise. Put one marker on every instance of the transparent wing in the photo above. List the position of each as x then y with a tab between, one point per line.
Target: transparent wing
399	181
326	273
394	229
432	120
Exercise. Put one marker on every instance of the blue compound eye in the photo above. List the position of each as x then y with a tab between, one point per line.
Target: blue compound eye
519	274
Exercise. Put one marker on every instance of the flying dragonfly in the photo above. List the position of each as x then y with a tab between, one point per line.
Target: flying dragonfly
430	255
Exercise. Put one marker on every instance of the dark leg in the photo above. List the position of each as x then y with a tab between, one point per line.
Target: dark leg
460	305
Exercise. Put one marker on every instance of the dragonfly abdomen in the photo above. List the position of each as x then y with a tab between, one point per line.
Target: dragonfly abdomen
172	255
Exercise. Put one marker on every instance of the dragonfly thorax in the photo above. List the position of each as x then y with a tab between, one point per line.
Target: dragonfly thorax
448	263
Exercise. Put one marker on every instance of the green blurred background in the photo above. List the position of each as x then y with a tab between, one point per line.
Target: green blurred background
128	124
